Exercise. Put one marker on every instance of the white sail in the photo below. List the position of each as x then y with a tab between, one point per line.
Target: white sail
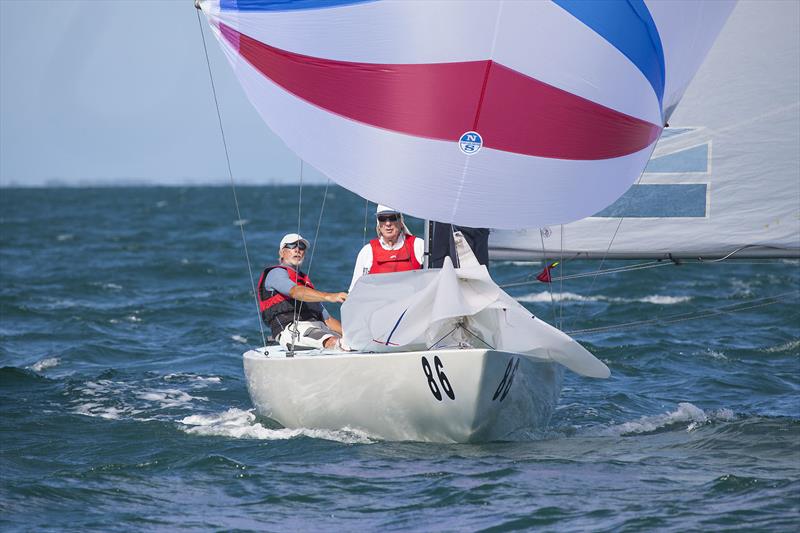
725	176
425	309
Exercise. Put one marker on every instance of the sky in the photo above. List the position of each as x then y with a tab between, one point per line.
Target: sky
108	92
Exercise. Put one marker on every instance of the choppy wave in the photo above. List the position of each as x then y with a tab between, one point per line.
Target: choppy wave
240	424
686	414
114	399
44	364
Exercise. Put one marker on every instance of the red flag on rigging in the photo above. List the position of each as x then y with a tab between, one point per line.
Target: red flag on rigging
544	275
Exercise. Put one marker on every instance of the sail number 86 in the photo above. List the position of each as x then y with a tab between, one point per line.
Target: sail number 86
443	381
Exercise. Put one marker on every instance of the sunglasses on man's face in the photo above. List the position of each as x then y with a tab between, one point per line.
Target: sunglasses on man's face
388	218
293	245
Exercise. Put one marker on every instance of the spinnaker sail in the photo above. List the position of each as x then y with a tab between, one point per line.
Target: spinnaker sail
725	177
479	113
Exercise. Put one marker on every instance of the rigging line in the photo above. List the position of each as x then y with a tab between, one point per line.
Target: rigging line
730	308
561	280
638	181
314	246
366	214
233	185
736	251
319	223
297	308
549	285
441	339
614	270
476	336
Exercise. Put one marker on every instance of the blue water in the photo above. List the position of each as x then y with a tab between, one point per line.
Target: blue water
124	313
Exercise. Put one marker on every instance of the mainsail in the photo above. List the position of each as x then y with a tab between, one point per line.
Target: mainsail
725	177
478	113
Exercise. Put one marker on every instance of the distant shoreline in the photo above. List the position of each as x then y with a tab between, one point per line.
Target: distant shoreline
152	185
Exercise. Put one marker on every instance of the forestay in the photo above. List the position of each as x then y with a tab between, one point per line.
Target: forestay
449	307
724	176
479	113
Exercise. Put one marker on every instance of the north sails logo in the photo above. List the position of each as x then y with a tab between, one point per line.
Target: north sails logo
675	182
470	142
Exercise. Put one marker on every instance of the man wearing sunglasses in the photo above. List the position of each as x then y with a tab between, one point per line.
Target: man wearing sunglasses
290	304
394	250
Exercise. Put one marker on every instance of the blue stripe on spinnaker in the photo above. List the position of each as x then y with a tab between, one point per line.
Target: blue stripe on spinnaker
629	27
395	327
660	201
284	5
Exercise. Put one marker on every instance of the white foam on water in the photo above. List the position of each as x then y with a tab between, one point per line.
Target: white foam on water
741	288
112	286
44	364
192	377
116	400
241	424
239	338
133	318
785	347
545	297
109	412
241	222
65	237
167	398
715	354
685	412
663	300
162	203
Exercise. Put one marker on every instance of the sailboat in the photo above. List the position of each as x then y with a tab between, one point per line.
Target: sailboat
485	114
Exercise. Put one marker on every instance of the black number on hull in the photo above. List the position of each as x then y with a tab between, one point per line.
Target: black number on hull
426	367
443	378
443	381
508	379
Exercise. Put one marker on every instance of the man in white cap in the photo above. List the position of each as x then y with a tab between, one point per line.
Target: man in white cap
394	250
290	304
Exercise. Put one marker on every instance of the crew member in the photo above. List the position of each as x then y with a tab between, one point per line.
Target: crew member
290	304
394	250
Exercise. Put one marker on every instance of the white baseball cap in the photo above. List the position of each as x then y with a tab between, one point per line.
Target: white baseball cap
385	210
290	238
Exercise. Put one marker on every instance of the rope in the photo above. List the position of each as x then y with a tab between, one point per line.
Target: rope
549	285
233	185
614	270
561	280
366	215
459	325
319	223
731	308
299	307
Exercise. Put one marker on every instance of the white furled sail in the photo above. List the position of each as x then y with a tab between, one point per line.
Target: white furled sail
422	309
479	113
725	177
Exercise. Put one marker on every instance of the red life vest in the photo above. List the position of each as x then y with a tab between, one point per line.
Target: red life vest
278	310
384	261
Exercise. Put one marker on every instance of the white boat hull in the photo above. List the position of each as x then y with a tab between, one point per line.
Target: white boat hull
467	395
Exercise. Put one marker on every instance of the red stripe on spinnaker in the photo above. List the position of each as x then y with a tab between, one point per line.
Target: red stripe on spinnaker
512	112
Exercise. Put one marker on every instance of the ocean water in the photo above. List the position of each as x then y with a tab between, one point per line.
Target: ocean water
124	313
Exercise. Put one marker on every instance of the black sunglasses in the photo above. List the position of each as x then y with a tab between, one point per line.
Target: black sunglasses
293	245
388	218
